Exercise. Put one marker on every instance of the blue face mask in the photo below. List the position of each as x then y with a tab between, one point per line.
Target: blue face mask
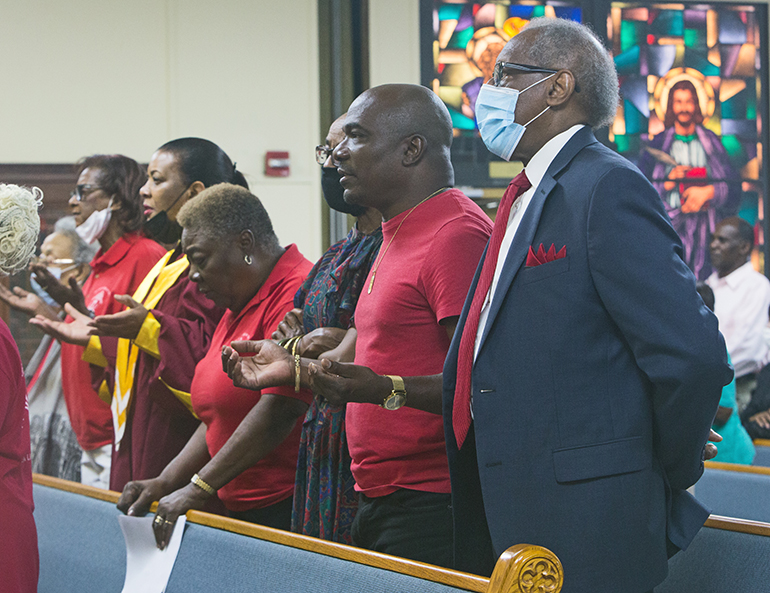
496	114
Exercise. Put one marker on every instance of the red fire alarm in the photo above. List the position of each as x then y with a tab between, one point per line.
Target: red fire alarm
277	164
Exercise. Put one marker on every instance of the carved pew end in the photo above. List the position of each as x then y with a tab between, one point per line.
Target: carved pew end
527	569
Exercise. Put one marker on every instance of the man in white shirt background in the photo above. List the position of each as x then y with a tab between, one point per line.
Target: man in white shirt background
742	298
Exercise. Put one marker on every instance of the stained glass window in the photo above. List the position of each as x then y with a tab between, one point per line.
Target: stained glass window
690	86
467	38
460	43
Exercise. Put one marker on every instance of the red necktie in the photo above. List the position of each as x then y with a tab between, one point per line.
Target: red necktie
461	412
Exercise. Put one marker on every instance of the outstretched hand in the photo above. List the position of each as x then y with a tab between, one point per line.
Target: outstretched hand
257	364
340	383
59	292
26	302
125	324
79	331
761	418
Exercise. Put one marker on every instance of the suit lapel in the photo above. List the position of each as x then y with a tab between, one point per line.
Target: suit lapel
529	223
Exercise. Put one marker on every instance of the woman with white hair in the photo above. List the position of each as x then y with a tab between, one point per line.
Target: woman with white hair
19	228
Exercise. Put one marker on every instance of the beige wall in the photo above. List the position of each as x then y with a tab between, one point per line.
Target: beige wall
124	76
394	41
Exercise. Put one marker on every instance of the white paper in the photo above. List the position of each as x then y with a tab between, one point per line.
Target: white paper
148	568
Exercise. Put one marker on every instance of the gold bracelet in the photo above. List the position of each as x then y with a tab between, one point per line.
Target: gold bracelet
290	344
196	479
296	364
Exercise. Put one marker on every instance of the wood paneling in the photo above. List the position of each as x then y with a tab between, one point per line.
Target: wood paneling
56	181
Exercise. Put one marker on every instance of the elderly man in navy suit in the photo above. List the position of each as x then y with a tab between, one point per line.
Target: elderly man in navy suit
586	371
581	384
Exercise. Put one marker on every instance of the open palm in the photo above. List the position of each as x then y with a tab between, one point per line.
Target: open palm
257	364
26	302
79	331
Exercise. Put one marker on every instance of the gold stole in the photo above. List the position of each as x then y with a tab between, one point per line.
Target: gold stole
154	286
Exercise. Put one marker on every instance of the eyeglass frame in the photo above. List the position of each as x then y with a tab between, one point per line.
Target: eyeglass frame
498	73
83	190
60	262
322	151
65	264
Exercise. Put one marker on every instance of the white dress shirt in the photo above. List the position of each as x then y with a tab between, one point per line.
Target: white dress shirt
741	301
536	169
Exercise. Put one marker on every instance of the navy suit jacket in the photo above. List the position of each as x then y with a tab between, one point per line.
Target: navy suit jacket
594	388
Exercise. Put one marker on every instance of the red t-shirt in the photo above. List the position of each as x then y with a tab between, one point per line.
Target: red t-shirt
18	536
119	270
422	278
222	406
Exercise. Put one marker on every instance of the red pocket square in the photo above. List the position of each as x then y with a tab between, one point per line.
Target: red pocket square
542	257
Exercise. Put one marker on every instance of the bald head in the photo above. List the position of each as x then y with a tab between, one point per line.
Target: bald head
396	148
406	109
336	132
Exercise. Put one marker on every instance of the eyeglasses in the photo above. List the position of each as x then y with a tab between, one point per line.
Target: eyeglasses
82	191
59	263
322	153
500	68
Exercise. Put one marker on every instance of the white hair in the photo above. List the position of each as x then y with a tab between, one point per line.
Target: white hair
567	44
19	226
82	252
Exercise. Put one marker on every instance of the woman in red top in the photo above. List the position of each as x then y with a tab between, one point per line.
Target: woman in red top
19	561
247	446
108	210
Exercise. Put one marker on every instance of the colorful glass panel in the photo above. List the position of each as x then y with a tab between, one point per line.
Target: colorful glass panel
469	36
689	78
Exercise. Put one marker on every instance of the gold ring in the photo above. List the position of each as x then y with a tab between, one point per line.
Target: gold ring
158	520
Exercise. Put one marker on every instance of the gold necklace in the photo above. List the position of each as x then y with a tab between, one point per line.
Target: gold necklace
398	228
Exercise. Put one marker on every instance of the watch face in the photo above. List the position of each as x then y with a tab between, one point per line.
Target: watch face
395	401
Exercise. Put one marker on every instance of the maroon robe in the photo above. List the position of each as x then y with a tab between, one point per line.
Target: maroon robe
159	425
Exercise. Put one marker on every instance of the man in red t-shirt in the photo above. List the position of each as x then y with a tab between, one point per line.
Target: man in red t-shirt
395	159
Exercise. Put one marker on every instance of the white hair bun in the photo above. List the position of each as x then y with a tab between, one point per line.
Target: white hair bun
19	226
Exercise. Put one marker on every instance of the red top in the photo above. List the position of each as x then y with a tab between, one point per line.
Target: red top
18	536
222	406
422	278
118	271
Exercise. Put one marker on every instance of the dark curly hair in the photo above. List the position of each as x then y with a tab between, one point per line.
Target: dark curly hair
120	177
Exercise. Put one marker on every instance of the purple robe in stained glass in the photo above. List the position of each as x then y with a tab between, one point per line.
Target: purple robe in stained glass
695	228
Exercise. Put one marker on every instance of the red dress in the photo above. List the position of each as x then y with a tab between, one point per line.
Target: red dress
19	562
119	270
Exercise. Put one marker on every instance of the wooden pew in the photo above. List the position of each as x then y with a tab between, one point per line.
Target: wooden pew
81	549
733	490
727	555
762	447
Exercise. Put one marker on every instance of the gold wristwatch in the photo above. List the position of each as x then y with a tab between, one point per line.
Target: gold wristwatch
397	397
